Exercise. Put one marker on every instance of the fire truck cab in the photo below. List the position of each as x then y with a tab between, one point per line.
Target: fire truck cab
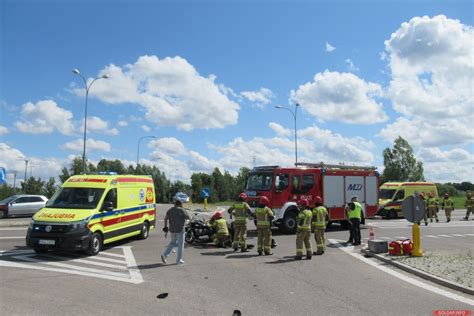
335	184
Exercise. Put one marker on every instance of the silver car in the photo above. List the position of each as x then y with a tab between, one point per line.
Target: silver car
18	205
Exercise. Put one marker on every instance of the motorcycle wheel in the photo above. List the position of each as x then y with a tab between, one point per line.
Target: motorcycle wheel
189	237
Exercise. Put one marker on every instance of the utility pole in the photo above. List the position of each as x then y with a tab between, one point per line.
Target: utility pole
26	168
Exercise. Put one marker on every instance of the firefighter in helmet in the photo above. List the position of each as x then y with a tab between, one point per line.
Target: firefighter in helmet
221	232
318	225
303	231
264	216
240	211
448	205
425	216
432	205
469	205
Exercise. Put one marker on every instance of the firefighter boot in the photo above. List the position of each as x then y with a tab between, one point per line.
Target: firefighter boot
298	257
309	256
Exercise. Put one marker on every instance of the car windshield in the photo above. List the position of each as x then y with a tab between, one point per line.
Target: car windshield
386	193
76	198
8	199
259	181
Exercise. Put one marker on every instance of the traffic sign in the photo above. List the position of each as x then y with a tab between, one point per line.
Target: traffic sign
205	193
3	175
413	208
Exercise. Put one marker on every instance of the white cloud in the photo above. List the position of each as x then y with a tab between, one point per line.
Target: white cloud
96	124
14	162
329	48
351	66
341	97
280	130
455	165
145	128
431	86
169	145
44	117
260	97
91	145
3	130
122	123
171	91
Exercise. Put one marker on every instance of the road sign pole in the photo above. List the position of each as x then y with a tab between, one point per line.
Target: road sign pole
417	251
205	203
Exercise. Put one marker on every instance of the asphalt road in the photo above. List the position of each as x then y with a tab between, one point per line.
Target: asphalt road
128	277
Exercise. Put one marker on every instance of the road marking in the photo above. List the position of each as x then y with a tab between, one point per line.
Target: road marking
457	235
470	234
445	236
108	259
379	265
430	236
13	237
385	238
401	237
14	228
112	254
48	262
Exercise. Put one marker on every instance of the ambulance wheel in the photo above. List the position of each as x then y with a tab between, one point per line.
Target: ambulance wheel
95	244
289	223
392	214
40	250
145	231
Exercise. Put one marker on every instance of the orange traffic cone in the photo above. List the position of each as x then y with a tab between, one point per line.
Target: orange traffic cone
371	233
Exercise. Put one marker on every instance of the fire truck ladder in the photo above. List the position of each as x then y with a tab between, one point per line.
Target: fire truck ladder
342	167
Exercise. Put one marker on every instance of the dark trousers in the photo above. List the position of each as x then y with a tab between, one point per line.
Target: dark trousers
355	231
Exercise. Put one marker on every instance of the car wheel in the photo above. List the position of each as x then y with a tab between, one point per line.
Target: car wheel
40	250
289	223
145	231
392	214
95	244
3	213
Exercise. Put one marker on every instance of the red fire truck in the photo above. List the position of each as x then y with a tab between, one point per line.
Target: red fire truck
336	184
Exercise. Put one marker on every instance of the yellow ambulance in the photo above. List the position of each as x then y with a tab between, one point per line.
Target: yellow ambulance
392	194
91	210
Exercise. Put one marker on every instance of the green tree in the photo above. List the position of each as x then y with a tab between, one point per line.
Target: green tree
400	163
74	168
240	181
32	186
446	188
50	188
6	191
111	166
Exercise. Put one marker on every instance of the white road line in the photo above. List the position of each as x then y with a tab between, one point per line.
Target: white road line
457	235
69	266
14	228
430	236
13	237
98	257
112	254
470	234
132	264
401	276
67	271
445	236
94	263
401	237
385	238
14	252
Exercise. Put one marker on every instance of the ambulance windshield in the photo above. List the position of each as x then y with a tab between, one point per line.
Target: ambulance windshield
259	181
76	198
386	194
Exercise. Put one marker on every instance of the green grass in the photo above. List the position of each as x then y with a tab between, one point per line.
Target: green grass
459	201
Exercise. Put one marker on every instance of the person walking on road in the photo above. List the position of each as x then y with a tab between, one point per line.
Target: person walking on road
469	205
319	225
432	206
221	232
354	214
448	205
177	217
303	230
264	216
241	212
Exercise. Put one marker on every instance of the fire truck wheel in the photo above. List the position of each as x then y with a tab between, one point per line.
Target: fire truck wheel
289	222
345	224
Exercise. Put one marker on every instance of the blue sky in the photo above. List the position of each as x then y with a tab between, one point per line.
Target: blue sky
204	77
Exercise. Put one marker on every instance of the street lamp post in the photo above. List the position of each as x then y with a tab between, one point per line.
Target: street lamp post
26	168
88	87
296	135
138	148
